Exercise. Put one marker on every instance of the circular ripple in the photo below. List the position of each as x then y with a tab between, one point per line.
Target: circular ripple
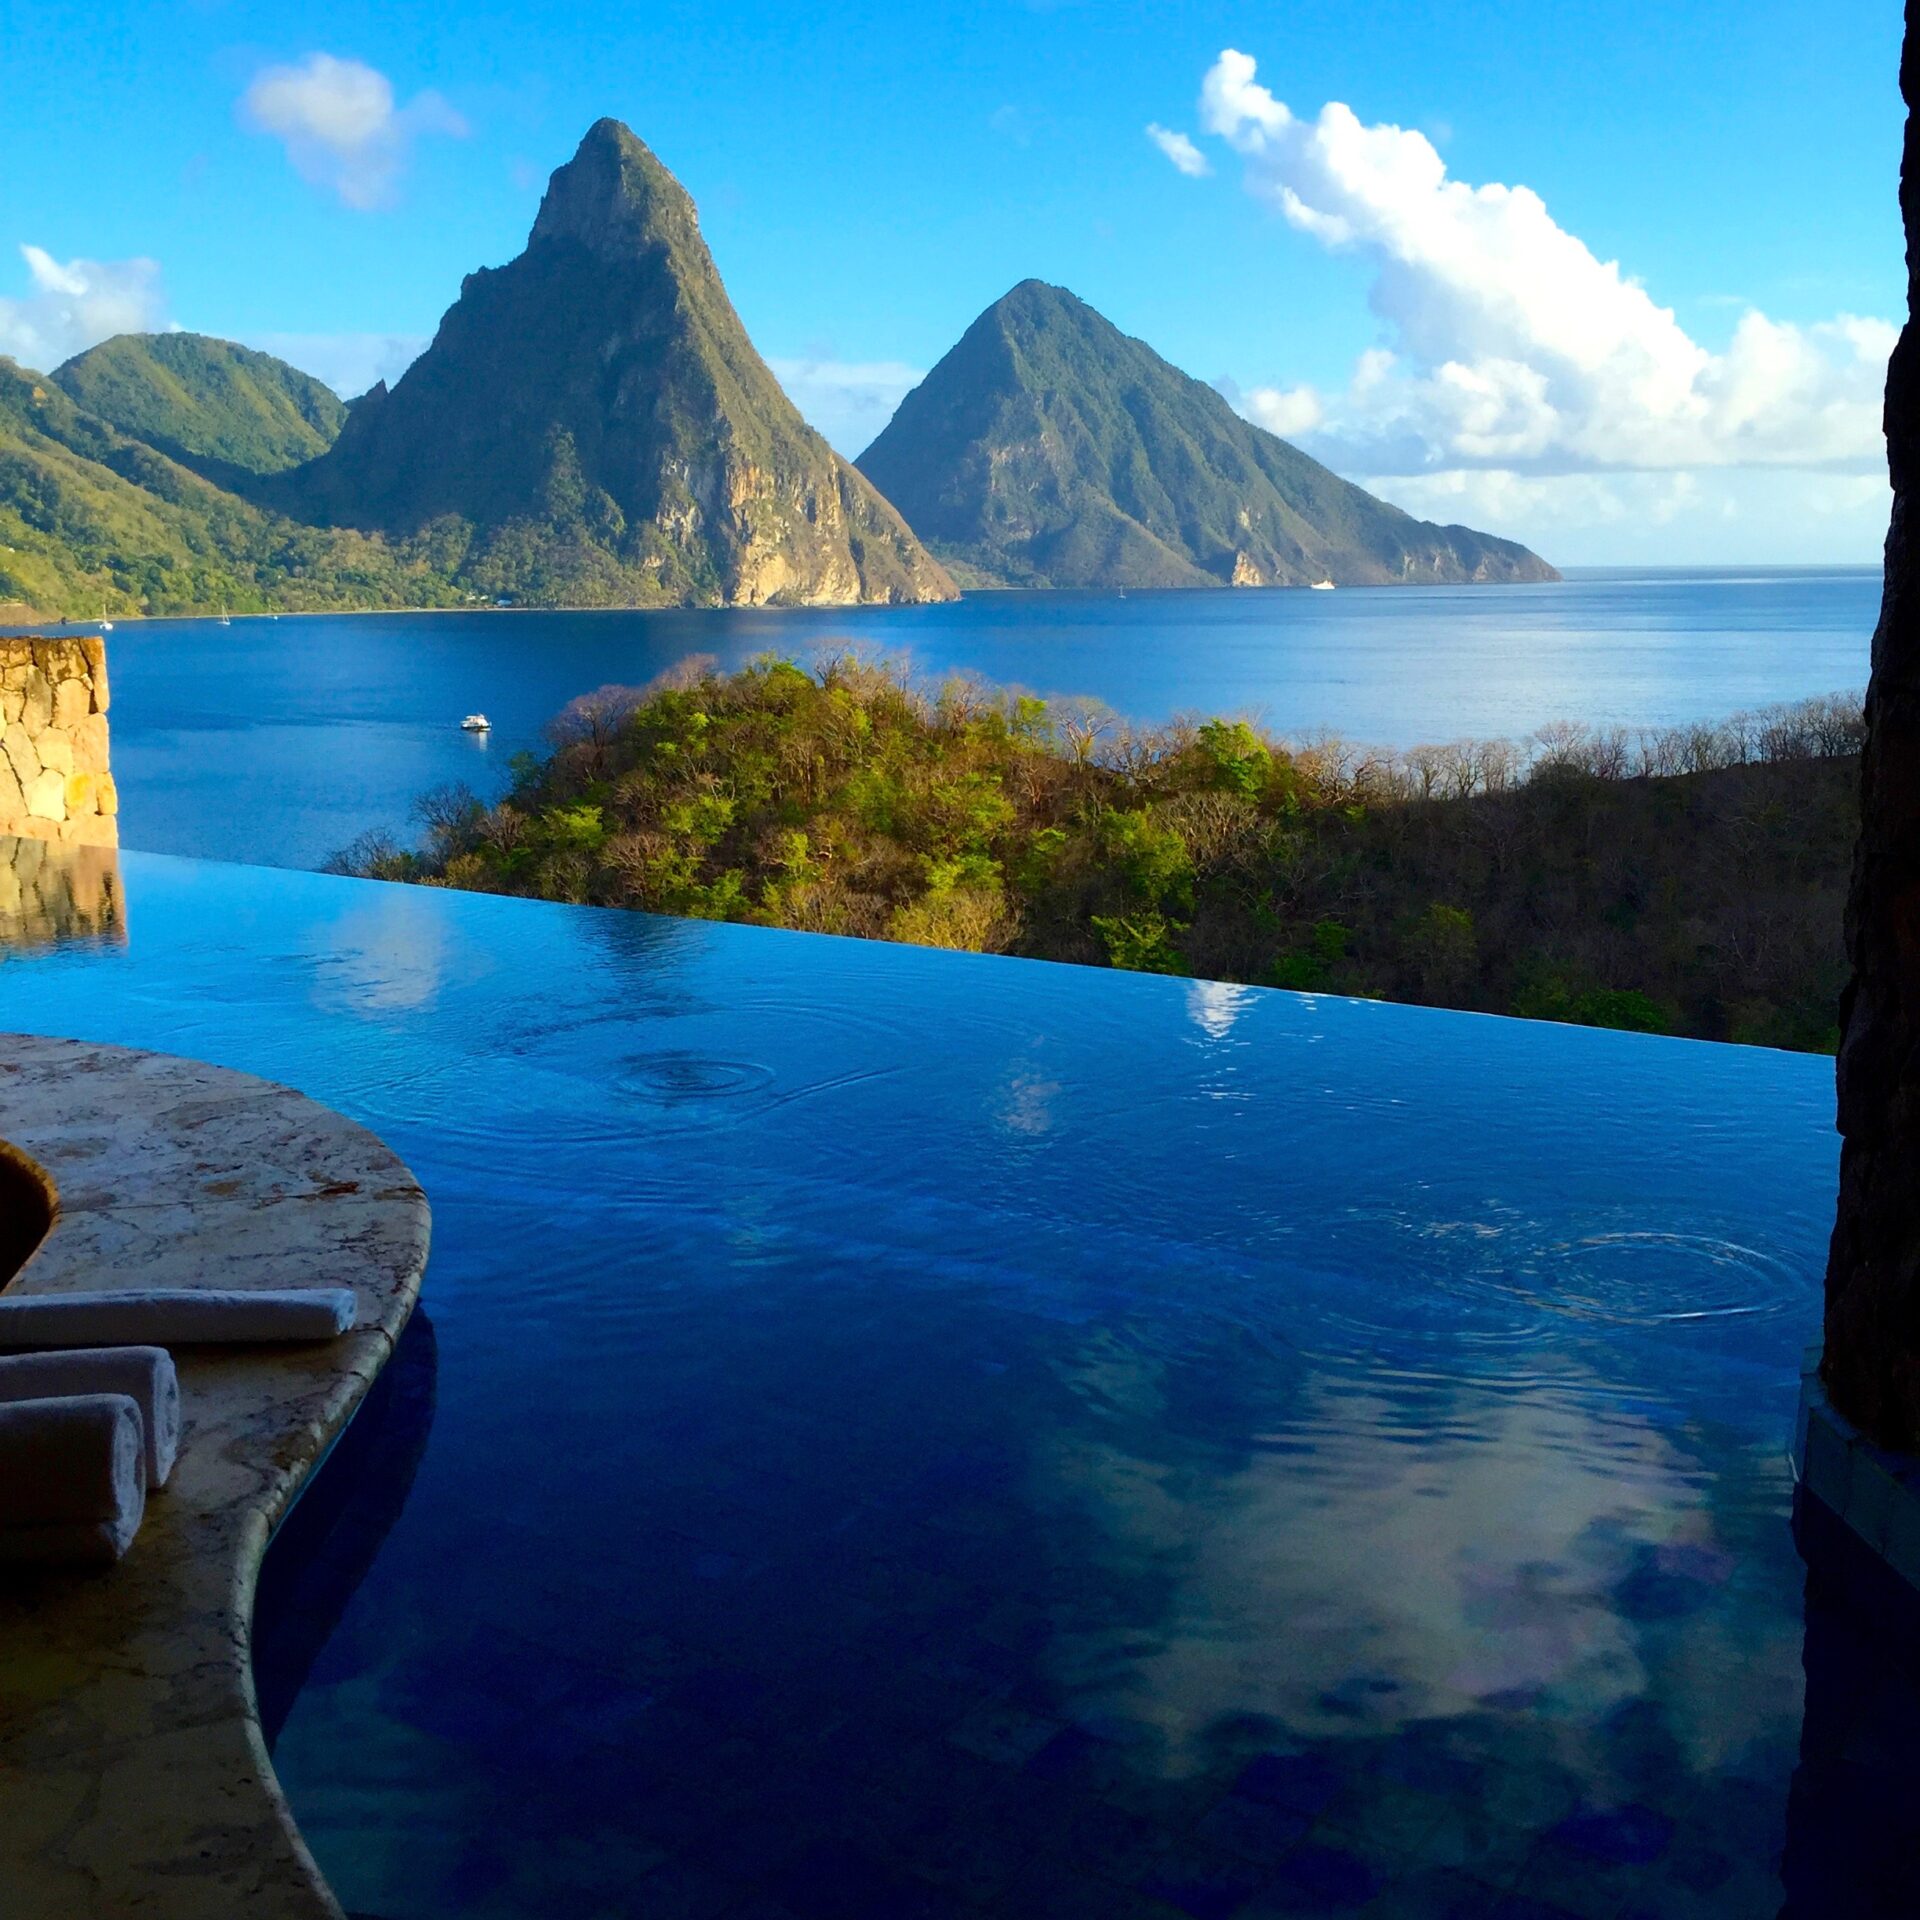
675	1079
1485	1296
1654	1279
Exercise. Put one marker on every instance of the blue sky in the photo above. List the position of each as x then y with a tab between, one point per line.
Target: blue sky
871	176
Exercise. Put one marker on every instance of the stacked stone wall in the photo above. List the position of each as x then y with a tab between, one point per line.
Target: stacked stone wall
54	779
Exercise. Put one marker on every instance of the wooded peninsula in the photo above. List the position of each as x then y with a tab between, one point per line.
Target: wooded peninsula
1686	880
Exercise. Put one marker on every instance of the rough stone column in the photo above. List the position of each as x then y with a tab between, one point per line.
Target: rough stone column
1872	1364
54	779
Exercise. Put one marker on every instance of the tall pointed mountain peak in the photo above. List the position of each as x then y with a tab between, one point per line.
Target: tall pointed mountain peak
1049	449
614	194
592	426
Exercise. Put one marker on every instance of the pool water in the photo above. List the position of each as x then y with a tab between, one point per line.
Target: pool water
895	1433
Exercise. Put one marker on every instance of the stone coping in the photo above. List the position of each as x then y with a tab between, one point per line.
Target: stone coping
1875	1493
133	1775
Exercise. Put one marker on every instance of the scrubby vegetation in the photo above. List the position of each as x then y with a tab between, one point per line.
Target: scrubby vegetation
1685	881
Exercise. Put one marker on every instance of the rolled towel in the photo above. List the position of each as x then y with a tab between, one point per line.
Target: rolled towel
73	1479
174	1317
144	1374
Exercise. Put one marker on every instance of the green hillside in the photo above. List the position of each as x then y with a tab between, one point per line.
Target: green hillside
1049	449
93	521
221	409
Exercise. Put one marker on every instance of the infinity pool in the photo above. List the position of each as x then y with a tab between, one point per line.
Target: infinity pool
905	1434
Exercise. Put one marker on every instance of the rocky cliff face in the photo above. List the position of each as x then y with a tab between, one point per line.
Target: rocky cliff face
1872	1364
592	424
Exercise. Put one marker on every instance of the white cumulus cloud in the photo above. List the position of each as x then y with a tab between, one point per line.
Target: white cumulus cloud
341	125
847	401
75	304
1179	148
1511	346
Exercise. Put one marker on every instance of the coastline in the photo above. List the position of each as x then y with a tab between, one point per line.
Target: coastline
17	614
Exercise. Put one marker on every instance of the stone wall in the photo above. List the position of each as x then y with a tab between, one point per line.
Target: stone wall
54	783
1872	1363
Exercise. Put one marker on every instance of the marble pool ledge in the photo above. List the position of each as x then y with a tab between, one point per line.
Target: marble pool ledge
134	1778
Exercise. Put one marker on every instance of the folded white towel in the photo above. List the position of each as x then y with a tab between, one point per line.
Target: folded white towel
144	1374
73	1478
165	1317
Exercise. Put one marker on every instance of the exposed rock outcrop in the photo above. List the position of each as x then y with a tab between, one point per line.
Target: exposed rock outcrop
1872	1363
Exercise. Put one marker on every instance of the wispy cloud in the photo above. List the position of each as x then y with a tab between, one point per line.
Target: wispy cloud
848	401
1179	148
1511	346
341	125
75	304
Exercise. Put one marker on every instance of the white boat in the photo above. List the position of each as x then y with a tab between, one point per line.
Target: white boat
1323	586
476	723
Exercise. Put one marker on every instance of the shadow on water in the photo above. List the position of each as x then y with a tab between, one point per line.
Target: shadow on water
326	1544
1853	1811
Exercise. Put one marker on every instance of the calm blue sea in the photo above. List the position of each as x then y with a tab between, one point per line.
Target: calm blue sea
279	741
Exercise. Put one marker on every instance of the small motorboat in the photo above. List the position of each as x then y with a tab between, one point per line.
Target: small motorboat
476	723
1323	586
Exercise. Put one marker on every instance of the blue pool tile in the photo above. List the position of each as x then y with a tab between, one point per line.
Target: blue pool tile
1433	1893
1114	1843
1007	1735
720	1693
1206	1883
1319	1879
838	1880
1520	1906
1303	1782
1077	1757
1253	1829
682	1891
1413	1760
1624	1836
